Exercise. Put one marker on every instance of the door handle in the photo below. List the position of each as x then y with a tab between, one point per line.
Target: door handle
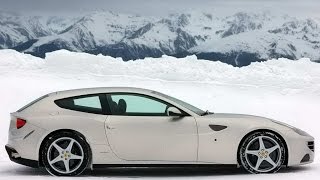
54	113
108	127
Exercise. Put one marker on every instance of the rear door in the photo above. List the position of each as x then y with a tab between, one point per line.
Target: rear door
139	129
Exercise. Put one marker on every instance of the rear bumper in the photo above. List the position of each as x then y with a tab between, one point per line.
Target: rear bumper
15	157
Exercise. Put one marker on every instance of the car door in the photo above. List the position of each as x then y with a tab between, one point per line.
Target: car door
139	129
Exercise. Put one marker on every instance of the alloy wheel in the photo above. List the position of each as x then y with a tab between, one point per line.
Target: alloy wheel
65	155
263	154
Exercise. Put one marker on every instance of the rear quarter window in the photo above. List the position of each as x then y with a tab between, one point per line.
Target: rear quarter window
87	103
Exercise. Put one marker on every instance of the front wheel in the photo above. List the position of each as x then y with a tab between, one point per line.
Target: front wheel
65	154
262	152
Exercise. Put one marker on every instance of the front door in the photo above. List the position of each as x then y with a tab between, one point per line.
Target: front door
139	129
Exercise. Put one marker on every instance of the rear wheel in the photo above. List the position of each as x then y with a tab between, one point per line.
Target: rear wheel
65	154
262	152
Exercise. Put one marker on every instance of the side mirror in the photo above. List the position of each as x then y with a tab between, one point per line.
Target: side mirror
173	111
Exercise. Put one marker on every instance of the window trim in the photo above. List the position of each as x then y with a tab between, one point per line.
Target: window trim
104	108
142	95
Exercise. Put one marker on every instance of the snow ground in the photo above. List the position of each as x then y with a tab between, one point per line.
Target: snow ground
284	90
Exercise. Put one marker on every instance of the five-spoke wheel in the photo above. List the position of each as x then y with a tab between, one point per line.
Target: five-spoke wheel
65	154
262	152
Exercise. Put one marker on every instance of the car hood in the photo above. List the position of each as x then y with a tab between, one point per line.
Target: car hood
236	116
247	117
255	121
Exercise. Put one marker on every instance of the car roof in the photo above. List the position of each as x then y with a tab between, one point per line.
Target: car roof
97	90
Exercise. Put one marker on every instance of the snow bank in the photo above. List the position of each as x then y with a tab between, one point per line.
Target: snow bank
281	72
11	59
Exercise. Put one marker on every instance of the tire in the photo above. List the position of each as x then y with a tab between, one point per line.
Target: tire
262	152
65	154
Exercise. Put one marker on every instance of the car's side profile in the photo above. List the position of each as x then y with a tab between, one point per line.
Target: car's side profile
69	131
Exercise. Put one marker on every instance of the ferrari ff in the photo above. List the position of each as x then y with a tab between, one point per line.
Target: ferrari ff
69	131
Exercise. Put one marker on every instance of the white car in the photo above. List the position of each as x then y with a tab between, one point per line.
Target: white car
69	131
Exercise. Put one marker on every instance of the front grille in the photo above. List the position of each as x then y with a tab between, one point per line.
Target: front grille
311	145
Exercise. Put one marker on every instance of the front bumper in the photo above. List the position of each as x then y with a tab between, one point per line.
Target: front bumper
301	150
309	154
15	157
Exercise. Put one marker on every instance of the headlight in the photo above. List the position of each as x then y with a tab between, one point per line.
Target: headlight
300	132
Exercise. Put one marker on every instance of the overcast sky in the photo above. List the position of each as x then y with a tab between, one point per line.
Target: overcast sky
160	7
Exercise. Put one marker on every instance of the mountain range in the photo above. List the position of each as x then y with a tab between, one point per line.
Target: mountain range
237	39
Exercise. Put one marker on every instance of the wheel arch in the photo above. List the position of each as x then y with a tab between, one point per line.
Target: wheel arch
267	130
57	131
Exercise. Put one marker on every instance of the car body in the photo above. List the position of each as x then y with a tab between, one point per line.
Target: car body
133	126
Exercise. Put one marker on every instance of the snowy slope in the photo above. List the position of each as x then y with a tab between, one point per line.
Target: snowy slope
285	90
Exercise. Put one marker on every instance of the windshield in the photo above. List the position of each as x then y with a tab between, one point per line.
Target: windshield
182	103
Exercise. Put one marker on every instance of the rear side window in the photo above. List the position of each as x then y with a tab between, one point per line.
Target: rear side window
32	103
88	103
91	102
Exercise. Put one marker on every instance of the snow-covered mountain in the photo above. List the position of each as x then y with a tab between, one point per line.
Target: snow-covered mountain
17	29
238	39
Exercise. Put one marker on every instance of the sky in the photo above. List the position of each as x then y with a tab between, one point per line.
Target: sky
161	7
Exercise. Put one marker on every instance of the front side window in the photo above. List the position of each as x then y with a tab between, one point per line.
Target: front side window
181	103
136	105
89	104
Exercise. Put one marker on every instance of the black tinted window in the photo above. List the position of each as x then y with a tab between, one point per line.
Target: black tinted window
89	104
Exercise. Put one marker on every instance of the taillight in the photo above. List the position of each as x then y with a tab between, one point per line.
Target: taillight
20	123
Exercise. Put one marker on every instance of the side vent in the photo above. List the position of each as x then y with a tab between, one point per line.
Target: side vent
217	127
